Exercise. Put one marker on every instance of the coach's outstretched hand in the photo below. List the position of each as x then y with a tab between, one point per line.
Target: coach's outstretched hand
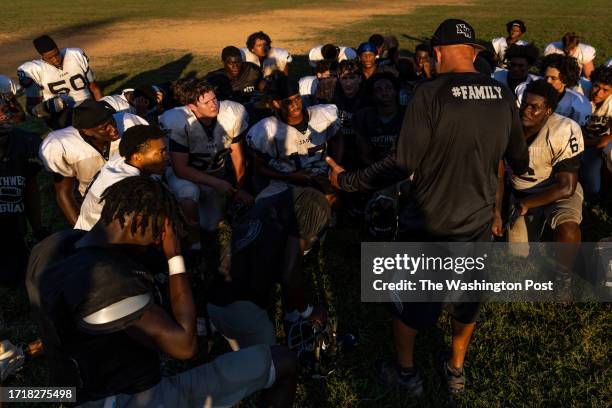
334	171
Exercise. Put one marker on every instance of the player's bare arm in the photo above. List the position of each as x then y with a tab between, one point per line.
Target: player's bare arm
95	90
64	194
239	163
564	187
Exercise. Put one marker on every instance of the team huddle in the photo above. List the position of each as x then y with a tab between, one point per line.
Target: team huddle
459	142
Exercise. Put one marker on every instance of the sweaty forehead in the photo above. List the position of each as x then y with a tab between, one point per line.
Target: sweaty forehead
533	99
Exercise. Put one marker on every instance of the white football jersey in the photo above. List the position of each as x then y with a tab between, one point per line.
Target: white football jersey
574	106
308	85
583	52
115	170
315	55
288	149
184	129
277	59
70	82
559	139
65	152
598	123
500	45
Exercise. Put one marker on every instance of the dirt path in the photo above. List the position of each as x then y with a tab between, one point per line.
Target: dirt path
292	29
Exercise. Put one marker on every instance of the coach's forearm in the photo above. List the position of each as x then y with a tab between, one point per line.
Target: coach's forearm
378	175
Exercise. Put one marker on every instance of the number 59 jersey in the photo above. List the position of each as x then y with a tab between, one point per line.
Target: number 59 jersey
556	148
70	82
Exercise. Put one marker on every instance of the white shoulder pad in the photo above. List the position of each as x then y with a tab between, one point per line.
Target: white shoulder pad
233	117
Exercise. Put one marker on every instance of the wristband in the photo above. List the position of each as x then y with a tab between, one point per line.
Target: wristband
176	265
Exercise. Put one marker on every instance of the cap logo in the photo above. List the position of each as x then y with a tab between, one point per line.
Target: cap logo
464	30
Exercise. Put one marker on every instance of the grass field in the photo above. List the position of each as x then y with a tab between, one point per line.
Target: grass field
522	354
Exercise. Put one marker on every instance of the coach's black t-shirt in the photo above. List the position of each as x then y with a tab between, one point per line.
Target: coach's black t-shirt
456	129
243	86
97	356
379	134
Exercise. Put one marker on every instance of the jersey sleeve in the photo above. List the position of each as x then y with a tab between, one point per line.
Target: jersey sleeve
241	122
568	145
29	79
314	56
551	49
261	139
588	53
53	156
83	61
330	113
177	135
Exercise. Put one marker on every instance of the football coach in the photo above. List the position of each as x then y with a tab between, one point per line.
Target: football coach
456	130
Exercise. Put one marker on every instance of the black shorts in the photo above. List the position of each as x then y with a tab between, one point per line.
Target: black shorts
421	316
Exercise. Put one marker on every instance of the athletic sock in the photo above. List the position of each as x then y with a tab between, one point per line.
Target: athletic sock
405	373
454	371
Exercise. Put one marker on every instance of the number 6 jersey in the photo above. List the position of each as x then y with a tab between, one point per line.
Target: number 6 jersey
556	148
70	82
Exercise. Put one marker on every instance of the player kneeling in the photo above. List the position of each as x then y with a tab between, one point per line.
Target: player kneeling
103	330
549	192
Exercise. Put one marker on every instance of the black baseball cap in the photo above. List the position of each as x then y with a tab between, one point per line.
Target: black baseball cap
455	32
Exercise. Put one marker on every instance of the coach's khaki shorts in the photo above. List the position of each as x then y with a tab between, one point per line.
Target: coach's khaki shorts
212	203
243	324
220	383
529	227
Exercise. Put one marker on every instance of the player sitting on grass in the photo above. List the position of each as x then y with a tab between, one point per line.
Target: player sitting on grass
563	73
260	52
102	328
208	165
76	153
8	93
290	147
515	29
242	78
57	82
266	249
597	132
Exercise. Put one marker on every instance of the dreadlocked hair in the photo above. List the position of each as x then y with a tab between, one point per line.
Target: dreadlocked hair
144	196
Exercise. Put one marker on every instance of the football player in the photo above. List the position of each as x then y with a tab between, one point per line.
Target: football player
57	82
515	29
571	46
330	52
142	152
110	333
145	101
308	84
205	144
260	52
76	153
562	72
243	78
290	147
520	59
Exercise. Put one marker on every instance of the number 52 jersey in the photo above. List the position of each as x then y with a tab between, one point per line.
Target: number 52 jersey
70	82
556	148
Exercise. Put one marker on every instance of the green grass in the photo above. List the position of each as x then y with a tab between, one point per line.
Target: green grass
522	354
